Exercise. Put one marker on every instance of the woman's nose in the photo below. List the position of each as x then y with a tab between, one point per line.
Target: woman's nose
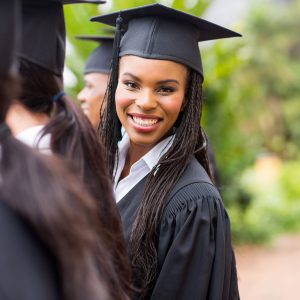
146	101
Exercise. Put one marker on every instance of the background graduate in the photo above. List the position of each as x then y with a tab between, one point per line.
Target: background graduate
177	229
53	245
96	76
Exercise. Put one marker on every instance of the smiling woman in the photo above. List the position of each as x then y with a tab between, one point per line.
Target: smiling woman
149	99
174	221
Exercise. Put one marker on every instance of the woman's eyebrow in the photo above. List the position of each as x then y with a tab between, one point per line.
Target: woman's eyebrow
159	82
168	81
131	75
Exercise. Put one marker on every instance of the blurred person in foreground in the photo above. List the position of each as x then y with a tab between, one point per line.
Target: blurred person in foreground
96	77
43	117
53	245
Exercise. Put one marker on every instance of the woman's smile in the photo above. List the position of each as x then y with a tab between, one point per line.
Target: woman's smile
144	123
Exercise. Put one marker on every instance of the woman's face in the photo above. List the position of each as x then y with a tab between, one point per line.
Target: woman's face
149	98
92	95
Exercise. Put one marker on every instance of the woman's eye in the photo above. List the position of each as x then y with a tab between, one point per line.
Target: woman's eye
88	86
165	90
131	85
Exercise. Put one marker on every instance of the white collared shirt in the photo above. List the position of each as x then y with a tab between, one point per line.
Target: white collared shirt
139	169
31	137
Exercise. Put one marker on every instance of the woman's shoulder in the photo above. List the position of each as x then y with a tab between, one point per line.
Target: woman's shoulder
193	187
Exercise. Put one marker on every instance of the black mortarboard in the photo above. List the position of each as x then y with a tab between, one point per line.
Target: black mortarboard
100	59
44	33
159	32
9	16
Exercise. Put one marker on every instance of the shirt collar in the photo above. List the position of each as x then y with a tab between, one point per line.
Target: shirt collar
152	157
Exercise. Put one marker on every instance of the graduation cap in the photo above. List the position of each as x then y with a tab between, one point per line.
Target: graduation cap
100	59
9	16
44	32
159	32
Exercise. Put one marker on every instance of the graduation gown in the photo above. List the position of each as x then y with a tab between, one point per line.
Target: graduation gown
27	270
195	255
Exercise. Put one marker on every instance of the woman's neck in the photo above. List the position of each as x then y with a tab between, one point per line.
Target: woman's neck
134	153
19	118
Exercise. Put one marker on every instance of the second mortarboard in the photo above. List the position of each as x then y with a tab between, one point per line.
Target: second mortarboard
159	32
44	33
100	59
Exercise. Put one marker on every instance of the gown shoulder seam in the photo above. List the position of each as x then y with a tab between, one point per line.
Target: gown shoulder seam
186	194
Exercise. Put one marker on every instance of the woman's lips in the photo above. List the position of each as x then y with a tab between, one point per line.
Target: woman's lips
144	123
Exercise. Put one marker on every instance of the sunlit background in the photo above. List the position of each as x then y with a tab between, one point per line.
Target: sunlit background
252	118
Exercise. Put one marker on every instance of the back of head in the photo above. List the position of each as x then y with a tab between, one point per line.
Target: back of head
38	87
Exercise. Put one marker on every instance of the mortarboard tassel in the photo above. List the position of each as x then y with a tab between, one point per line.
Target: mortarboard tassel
115	63
116	49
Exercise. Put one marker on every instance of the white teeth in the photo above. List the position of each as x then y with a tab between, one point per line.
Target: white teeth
144	122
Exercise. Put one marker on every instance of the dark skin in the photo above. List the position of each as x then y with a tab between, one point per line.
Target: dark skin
133	155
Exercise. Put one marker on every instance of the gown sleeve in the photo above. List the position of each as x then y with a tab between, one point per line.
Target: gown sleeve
196	260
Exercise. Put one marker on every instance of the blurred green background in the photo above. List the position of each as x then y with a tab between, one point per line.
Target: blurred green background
252	108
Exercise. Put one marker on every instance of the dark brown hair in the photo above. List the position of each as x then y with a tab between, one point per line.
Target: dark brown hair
75	141
189	140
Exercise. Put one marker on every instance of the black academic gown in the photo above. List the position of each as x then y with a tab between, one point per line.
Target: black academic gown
195	256
27	270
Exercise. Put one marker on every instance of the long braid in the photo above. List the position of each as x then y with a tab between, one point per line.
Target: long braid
110	126
109	129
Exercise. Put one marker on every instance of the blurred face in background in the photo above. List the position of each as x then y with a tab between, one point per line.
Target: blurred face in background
92	95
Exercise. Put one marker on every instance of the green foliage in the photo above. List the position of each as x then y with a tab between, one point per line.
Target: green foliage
252	108
290	181
273	187
77	23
